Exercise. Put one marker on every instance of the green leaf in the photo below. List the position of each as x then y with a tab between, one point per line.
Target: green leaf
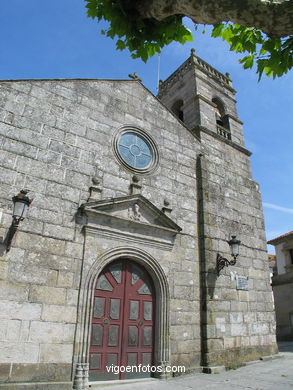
247	61
217	30
120	44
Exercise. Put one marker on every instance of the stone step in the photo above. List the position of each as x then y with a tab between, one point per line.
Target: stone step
37	386
119	383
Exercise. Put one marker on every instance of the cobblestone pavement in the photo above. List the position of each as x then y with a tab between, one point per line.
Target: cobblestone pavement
274	374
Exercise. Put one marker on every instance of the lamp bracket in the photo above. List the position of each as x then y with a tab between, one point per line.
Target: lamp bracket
222	262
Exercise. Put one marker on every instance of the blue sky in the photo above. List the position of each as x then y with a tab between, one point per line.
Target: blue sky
55	39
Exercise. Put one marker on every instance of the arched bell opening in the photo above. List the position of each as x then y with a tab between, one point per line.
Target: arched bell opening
177	109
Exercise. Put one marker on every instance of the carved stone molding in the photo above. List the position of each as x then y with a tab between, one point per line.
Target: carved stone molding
131	218
89	277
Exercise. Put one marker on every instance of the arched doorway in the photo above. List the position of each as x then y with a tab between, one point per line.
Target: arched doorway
122	322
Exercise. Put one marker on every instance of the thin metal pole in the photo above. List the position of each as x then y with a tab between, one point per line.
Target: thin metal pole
159	63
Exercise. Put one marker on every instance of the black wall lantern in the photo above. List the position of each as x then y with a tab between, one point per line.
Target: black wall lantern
21	203
234	247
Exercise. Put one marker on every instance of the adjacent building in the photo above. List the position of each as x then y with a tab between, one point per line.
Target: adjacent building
282	283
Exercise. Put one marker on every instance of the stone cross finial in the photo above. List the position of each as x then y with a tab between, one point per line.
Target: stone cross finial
95	190
134	76
135	187
166	208
192	52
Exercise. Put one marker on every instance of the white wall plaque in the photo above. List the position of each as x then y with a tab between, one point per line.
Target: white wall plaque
241	282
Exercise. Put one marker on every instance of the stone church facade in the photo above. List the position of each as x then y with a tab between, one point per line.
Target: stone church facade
134	197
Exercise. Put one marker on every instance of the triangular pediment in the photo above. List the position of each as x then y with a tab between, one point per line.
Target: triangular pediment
133	218
135	208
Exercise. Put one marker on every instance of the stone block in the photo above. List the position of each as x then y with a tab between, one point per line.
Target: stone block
236	318
32	225
4	372
60	232
24	274
53	132
14	255
16	352
72	297
3	329
55	313
239	330
215	344
3	269
187	347
50	216
16	291
41	372
46	294
20	311
183	291
184	279
18	147
49	157
229	294
258	328
65	279
249	317
24	331
63	148
73	249
56	353
38	243
77	166
51	332
220	306
179	305
77	180
239	306
39	169
179	318
243	296
8	176
221	324
49	261
52	278
63	192
13	330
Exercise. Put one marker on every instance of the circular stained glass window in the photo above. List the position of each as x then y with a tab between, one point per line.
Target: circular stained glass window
135	150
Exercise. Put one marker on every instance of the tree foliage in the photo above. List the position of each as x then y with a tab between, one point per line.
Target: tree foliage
144	37
273	56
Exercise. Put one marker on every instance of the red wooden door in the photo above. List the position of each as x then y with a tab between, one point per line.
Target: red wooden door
122	331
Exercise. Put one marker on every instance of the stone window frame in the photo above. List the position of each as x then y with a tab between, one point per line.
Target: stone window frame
288	254
143	134
291	319
177	109
291	255
221	113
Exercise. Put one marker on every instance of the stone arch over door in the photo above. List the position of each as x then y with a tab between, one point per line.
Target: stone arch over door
161	342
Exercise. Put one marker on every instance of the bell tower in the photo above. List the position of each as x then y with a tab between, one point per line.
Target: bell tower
228	204
202	98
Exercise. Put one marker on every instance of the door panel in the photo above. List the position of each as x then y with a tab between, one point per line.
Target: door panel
122	321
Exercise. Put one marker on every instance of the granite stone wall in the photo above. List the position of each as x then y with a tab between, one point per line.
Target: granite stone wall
237	325
55	137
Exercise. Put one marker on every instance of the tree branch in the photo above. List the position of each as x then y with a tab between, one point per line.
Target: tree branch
274	17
